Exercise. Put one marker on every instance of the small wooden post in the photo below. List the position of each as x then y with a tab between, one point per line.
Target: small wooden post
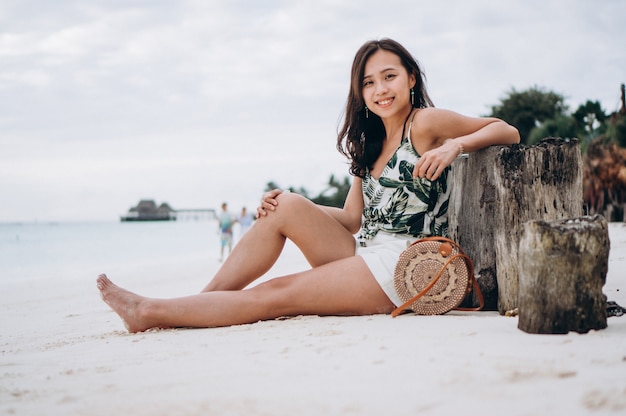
562	268
495	191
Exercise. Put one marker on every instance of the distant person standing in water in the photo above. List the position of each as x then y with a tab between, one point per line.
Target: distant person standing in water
245	221
226	230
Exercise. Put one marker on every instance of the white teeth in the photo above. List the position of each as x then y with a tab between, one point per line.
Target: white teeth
385	102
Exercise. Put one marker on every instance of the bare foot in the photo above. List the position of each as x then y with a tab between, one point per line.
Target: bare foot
124	303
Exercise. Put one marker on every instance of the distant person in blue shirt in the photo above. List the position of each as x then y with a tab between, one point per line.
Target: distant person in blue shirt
226	221
245	221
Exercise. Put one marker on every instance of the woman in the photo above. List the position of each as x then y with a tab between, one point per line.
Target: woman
396	196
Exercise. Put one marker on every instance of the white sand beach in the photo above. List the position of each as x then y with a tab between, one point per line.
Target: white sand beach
64	352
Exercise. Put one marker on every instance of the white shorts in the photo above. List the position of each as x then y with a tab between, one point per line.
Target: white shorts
381	256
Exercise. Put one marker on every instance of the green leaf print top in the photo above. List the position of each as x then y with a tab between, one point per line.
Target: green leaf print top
397	203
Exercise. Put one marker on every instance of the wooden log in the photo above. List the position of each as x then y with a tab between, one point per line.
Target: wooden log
495	191
562	269
471	217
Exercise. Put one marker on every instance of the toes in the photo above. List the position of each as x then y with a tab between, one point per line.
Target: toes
103	282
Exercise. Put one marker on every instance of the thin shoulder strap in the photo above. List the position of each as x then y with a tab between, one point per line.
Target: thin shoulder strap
410	125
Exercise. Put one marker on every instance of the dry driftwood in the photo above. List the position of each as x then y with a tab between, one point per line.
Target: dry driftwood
562	269
496	190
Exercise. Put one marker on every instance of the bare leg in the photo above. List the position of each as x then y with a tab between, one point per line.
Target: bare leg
319	236
343	287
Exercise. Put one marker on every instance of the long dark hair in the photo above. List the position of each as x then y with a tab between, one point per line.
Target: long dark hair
361	138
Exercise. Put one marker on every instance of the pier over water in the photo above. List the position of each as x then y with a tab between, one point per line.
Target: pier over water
196	214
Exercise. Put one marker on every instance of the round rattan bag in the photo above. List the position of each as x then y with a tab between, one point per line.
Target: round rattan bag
432	276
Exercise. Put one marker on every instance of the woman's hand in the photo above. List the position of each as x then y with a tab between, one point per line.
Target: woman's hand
433	162
268	203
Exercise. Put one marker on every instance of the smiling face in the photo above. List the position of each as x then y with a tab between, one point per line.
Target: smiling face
387	85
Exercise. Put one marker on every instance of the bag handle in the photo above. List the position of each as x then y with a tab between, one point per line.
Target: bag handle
471	277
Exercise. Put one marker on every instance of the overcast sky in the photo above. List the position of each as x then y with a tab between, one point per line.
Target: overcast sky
103	103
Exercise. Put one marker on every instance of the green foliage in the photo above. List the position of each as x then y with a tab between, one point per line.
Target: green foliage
586	123
590	122
538	114
273	185
334	195
527	109
562	126
589	116
616	130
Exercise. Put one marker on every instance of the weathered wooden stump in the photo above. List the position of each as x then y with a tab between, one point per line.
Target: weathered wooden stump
496	190
562	269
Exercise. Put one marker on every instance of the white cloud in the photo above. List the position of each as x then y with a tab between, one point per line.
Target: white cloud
192	93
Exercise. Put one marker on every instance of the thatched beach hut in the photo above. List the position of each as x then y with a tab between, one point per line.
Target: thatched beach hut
147	210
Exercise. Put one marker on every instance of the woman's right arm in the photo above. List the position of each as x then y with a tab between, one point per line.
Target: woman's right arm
350	215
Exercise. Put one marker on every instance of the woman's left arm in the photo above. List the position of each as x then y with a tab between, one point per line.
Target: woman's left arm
450	134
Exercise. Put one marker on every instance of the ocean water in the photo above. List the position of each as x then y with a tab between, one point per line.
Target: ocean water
33	251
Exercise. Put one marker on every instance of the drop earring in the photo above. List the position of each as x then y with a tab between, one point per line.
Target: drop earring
412	97
367	113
